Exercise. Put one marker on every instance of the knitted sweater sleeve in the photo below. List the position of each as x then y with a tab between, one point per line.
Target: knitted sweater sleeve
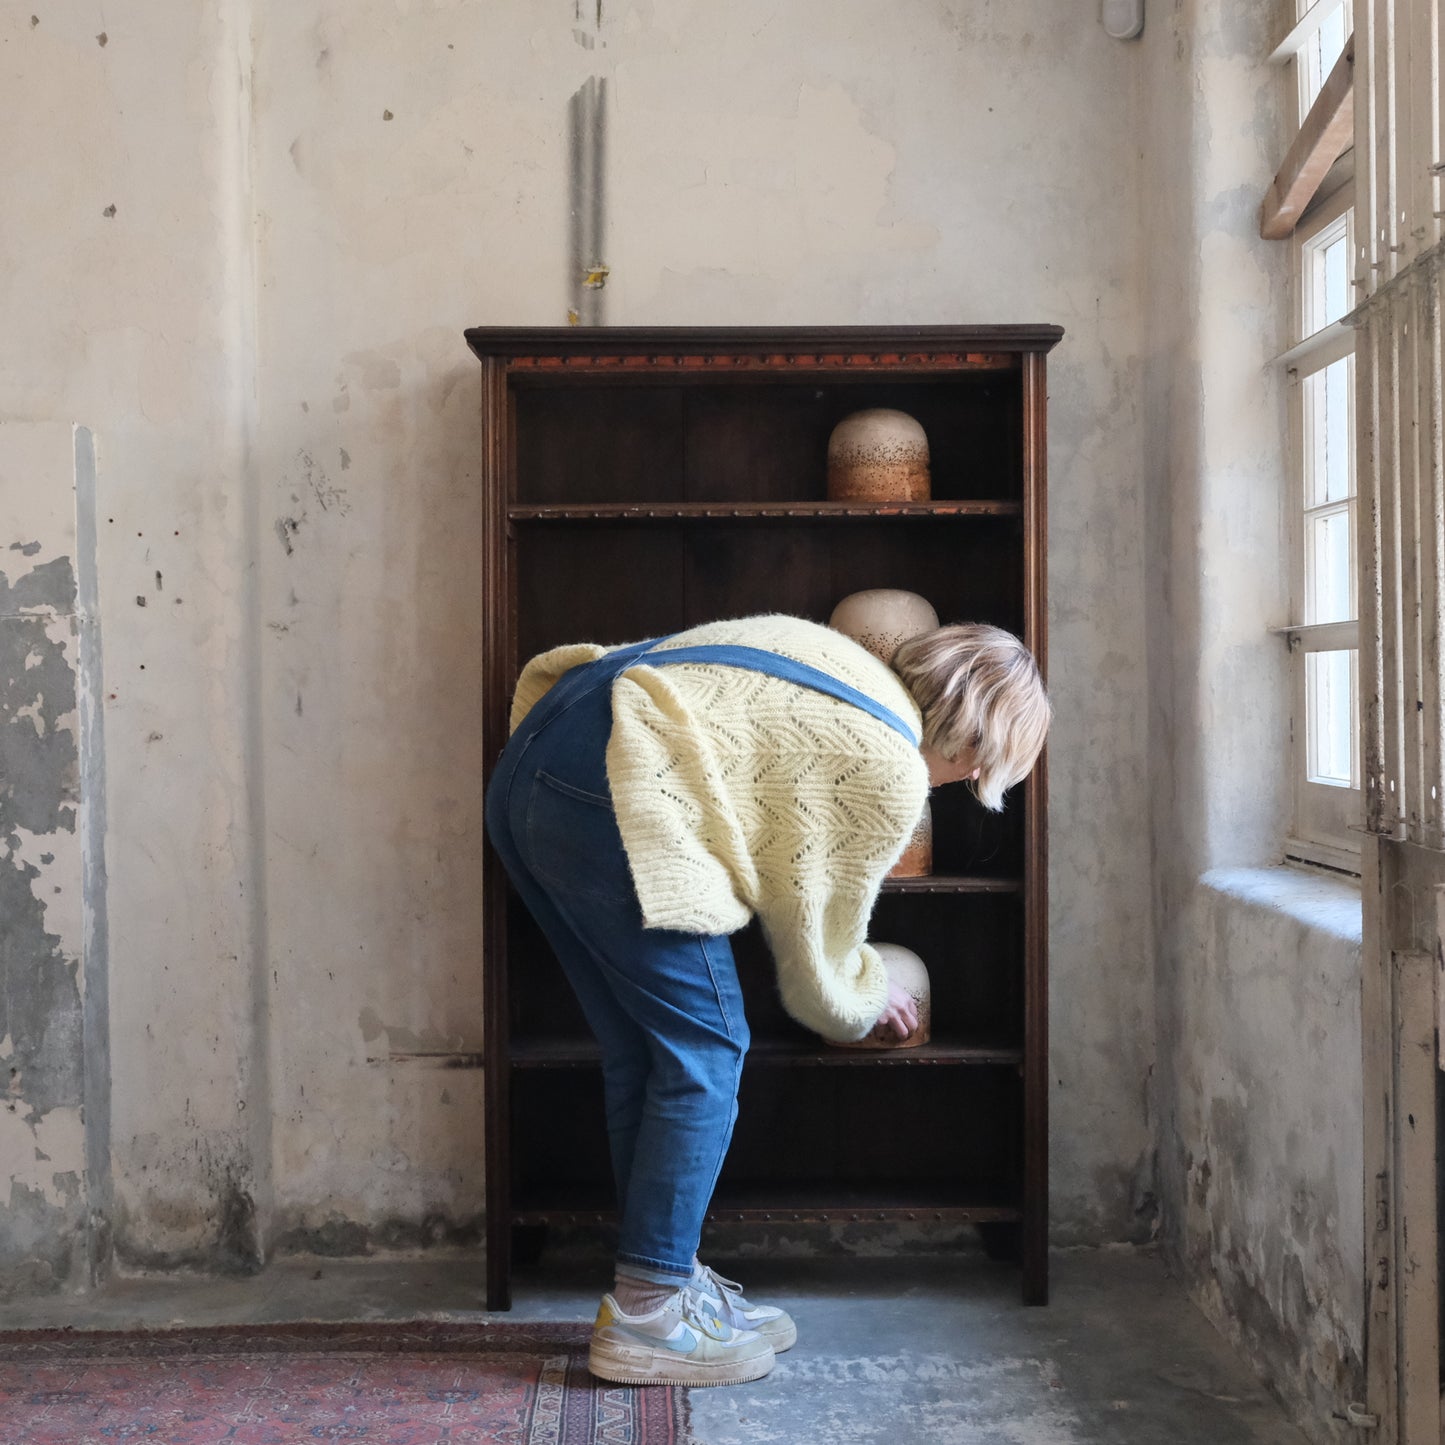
829	978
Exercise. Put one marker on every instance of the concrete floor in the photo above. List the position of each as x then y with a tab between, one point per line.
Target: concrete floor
889	1350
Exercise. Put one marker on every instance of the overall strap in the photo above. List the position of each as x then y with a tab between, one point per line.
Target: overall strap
758	660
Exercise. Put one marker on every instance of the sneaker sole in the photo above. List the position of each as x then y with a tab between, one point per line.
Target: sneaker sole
628	1365
780	1339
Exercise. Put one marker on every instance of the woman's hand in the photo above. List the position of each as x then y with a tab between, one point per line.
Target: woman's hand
900	1014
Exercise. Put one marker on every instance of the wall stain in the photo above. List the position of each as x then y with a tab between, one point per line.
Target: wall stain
40	1002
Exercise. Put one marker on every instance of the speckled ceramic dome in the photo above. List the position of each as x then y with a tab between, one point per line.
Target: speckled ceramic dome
917	859
882	619
878	455
906	968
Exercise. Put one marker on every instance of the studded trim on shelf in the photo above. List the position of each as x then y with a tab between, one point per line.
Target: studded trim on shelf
770	361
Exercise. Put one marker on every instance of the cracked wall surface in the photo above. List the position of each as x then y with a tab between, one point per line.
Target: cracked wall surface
43	1201
1258	1085
765	164
265	228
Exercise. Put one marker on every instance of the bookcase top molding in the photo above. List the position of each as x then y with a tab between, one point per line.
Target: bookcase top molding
760	348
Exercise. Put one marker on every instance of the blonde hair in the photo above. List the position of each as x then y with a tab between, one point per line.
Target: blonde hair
981	696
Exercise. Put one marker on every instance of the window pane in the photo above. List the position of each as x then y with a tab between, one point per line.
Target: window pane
1330	598
1329	465
1332	42
1321	50
1334	281
1330	708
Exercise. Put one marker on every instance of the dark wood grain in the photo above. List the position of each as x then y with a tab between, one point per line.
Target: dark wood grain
641	512
1035	1224
643	480
899	342
498	667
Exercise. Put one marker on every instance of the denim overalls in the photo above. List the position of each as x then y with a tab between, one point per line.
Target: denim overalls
665	1006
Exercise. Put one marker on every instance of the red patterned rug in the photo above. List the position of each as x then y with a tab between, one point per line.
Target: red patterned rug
420	1383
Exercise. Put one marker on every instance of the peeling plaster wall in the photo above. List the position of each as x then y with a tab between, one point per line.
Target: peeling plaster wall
766	164
119	284
42	1032
1258	1085
239	244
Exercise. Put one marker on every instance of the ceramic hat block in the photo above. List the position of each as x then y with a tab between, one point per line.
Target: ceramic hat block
906	968
878	455
917	859
883	619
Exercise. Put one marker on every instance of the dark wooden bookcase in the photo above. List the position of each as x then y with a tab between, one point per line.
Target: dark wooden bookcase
639	481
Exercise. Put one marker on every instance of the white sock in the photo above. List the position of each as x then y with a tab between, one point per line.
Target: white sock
637	1295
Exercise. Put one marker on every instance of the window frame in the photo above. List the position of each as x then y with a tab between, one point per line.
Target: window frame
1326	819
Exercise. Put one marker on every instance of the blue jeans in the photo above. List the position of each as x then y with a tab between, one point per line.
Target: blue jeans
666	1007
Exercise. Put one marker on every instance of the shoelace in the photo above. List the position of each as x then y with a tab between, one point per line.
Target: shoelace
698	1315
728	1286
730	1293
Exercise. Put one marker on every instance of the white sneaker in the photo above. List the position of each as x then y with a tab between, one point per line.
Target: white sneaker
682	1342
724	1297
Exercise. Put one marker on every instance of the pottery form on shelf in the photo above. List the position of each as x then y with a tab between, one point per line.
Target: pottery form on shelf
883	619
917	859
878	455
906	968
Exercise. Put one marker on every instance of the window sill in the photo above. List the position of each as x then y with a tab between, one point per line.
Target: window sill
1326	905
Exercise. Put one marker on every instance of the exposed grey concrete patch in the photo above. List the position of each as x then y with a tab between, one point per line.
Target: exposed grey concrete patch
339	1238
42	1245
50	586
238	1246
399	1039
40	1006
26	549
96	924
220	1216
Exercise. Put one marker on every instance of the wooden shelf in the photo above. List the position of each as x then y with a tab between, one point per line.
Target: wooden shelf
568	1053
757	511
899	1202
959	883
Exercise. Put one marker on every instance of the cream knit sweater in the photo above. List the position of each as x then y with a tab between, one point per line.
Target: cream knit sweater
738	793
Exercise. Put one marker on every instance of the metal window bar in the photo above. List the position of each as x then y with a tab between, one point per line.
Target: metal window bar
1400	414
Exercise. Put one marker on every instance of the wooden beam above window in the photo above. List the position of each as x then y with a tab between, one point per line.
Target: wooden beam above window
1327	133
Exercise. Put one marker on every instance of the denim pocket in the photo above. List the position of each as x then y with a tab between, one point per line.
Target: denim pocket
573	842
573	791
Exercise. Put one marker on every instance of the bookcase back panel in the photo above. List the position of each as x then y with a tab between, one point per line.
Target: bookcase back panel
968	943
620	583
652	442
856	1125
968	839
809	1131
579	445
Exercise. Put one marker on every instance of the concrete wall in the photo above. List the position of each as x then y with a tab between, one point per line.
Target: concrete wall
248	239
121	250
1258	1082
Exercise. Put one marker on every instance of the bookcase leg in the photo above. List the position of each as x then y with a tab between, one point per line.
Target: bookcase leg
1036	1262
499	1265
